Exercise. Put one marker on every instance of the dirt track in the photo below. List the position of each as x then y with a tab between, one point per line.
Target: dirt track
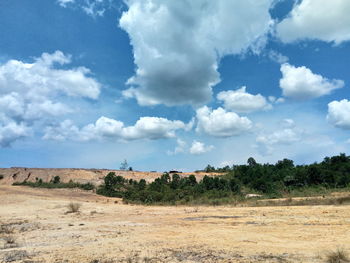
105	230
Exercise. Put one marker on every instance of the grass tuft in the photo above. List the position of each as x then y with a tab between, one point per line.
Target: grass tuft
338	256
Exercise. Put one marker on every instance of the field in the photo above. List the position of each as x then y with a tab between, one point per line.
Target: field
36	226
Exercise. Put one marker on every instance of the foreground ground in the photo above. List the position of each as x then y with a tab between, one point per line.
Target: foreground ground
36	228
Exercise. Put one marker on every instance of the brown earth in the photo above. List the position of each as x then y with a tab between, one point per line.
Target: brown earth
106	231
95	176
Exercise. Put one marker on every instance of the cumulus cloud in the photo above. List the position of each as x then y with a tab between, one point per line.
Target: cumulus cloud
198	148
242	101
41	79
320	20
104	128
11	132
177	45
221	123
339	114
32	91
302	83
289	134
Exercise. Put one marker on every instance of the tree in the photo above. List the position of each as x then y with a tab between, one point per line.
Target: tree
56	179
251	161
124	165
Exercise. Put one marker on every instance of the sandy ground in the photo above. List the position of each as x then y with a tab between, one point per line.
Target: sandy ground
106	231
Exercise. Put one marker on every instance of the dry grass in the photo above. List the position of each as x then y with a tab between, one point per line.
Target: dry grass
73	208
9	241
6	229
338	256
307	201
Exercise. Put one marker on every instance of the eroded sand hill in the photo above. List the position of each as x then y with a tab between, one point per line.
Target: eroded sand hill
95	176
106	231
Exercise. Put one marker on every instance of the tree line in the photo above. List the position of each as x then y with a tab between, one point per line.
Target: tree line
273	180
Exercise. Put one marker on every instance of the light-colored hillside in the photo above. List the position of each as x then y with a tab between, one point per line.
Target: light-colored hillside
95	176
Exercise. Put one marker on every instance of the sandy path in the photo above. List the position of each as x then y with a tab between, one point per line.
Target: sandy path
105	230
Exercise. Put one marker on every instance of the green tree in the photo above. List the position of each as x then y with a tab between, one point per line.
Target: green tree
251	161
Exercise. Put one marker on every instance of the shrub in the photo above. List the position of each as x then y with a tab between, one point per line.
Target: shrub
56	179
338	256
6	229
1	176
87	186
73	208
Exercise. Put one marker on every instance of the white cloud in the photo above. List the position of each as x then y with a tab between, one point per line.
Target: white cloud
285	136
316	19
277	57
221	123
198	148
302	83
11	131
104	128
41	79
289	134
37	91
242	101
152	128
64	3
181	147
177	45
63	131
339	114
93	8
288	123
275	100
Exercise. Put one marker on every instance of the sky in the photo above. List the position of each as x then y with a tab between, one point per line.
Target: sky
173	85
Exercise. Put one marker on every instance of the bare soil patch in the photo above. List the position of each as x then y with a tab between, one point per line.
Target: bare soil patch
105	231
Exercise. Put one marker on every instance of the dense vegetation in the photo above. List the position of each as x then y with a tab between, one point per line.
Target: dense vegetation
272	180
169	189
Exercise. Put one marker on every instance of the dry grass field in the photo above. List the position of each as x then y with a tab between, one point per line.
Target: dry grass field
40	225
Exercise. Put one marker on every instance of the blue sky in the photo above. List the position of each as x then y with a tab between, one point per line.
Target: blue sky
172	84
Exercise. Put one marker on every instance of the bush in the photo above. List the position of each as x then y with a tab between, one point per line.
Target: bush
73	208
56	179
1	176
338	256
40	184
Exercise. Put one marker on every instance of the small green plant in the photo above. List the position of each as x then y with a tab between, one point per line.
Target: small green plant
73	208
338	256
